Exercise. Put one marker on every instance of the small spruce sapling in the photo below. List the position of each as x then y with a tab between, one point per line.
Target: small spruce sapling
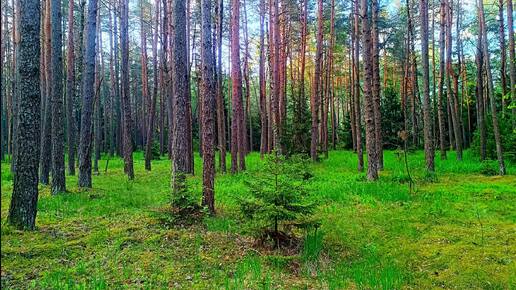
279	200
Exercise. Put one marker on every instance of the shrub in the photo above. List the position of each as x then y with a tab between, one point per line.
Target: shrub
508	137
278	199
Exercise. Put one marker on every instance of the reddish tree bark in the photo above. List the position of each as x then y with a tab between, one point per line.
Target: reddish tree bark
208	108
237	123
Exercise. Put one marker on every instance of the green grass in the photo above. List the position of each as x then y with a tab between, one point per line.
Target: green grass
456	230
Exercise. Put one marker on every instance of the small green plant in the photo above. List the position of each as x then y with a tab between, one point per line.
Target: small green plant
489	168
155	151
279	200
185	204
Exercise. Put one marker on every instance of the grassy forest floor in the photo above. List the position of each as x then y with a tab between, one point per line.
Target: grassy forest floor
457	230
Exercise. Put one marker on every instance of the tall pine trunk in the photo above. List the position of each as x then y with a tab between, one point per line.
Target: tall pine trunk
70	91
427	118
208	108
127	145
58	166
440	98
88	95
23	207
369	118
316	90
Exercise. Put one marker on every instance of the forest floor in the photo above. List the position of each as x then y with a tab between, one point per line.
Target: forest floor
457	229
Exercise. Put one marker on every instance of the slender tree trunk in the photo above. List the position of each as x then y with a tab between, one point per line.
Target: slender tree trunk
427	118
440	98
23	206
221	125
503	61
152	113
262	79
452	96
480	97
247	113
490	89
237	126
58	167
97	101
88	95
356	93
512	61
70	91
315	99
376	84
208	108
146	109
46	137
126	98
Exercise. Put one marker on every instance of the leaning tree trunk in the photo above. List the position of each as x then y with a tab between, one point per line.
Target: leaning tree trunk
490	89
152	113
22	210
88	95
480	97
452	96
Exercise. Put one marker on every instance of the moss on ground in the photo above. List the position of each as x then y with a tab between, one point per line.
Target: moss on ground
456	230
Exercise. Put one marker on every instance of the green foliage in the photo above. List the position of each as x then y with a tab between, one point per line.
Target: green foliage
508	136
392	118
279	198
489	168
155	150
185	204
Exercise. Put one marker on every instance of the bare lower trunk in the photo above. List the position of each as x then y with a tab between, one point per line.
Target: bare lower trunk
88	94
427	119
208	109
23	206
